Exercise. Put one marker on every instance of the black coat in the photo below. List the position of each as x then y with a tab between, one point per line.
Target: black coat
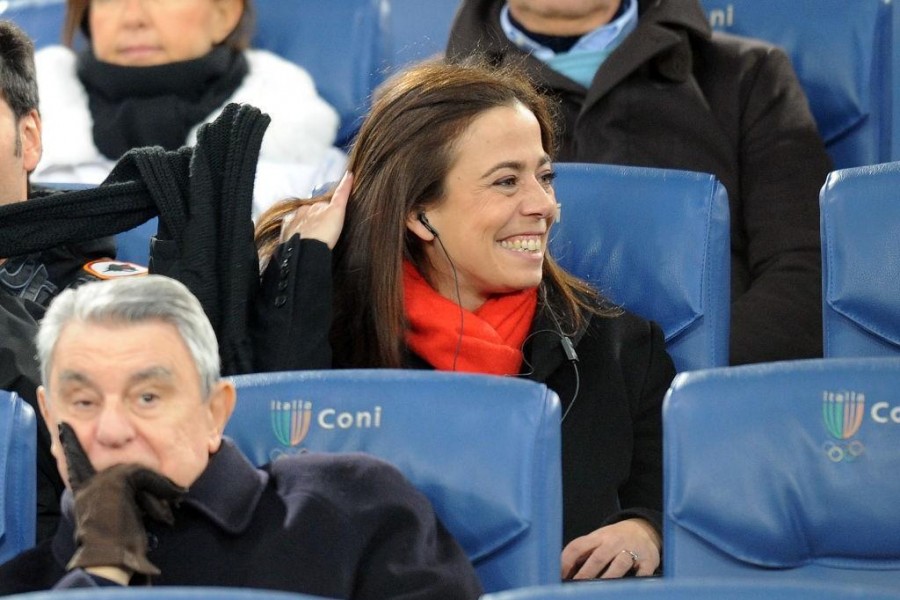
27	285
675	95
339	526
612	434
611	437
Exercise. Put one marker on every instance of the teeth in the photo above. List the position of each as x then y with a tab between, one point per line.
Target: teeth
523	244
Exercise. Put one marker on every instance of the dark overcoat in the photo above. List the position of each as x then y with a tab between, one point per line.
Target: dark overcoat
676	95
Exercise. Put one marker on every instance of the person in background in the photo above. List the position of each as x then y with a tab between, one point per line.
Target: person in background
28	282
20	121
131	384
647	83
433	254
153	71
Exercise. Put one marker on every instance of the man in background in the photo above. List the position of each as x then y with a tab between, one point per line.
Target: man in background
647	83
29	282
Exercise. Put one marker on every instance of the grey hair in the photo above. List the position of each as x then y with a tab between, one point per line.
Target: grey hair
134	300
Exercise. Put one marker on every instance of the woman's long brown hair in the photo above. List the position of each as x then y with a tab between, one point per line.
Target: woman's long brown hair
400	159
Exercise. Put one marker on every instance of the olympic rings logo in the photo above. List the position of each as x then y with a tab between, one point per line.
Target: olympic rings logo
839	452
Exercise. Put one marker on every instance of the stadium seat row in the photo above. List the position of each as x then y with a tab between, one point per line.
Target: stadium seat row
776	475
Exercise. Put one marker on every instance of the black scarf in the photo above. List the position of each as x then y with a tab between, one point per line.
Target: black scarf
133	107
203	196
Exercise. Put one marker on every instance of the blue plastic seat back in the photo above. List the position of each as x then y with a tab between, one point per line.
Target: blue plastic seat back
702	589
784	471
484	450
134	245
419	29
842	53
42	20
860	216
18	475
655	241
344	45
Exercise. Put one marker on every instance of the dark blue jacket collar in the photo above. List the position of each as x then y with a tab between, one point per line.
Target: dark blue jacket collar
226	493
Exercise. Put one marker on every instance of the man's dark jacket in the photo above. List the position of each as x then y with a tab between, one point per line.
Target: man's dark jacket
676	95
332	525
27	285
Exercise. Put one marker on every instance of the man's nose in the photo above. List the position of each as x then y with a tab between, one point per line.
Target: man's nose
114	427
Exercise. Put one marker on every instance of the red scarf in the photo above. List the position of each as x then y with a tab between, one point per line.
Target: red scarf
492	336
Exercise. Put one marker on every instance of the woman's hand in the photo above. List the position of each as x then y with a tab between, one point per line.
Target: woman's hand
610	551
321	221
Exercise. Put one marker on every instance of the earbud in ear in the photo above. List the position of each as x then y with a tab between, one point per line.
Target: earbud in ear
427	225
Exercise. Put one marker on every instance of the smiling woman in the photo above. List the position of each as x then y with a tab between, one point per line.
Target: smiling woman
436	249
494	222
154	71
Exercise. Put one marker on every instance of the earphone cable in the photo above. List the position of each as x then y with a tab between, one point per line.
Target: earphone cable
458	302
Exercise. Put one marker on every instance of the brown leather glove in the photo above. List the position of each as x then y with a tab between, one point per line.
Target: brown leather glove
110	506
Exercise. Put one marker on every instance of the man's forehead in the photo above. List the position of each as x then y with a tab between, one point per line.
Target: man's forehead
112	339
150	373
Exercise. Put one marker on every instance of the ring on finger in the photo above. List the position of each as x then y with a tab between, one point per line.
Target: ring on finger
635	557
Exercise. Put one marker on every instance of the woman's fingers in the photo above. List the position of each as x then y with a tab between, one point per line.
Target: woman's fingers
613	551
342	191
322	220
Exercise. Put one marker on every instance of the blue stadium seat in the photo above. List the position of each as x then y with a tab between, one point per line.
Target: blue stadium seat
784	472
484	449
895	74
343	44
134	245
42	20
860	216
419	29
842	52
668	589
18	475
655	241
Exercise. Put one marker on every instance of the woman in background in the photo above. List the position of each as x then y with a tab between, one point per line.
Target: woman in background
433	254
153	71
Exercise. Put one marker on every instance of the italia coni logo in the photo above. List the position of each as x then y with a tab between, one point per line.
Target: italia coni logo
292	420
843	414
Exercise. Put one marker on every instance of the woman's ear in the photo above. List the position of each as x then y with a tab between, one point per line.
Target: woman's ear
227	15
418	223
